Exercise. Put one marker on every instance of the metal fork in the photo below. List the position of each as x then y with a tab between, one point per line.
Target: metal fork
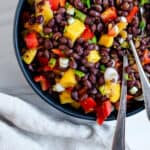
119	136
144	80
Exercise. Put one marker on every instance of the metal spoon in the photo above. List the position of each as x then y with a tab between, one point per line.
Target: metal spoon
119	136
144	79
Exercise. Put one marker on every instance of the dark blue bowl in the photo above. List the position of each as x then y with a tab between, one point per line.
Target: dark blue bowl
134	108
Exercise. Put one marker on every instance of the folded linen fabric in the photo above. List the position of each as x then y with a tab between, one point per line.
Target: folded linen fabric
24	127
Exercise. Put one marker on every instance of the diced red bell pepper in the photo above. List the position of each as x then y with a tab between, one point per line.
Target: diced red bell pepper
31	40
43	61
146	57
129	97
47	68
132	13
103	111
69	89
88	104
62	3
58	52
109	14
43	81
54	4
87	34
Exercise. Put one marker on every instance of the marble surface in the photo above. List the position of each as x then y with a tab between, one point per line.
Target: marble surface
13	82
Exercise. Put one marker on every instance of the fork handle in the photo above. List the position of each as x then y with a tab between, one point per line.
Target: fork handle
119	137
144	80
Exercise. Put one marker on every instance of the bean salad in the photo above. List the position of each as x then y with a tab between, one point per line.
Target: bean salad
74	50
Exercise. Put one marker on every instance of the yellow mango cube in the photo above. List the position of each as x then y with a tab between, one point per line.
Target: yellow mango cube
68	79
121	26
93	56
106	40
44	10
65	98
112	90
35	27
74	30
123	34
29	56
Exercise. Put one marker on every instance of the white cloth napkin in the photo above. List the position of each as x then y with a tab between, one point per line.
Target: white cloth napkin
23	127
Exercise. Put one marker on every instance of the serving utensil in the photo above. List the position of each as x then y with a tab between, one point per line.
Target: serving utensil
119	136
143	78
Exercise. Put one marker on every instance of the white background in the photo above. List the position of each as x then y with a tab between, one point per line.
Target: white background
13	82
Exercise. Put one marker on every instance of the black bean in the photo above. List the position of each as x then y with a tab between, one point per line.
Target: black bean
73	64
88	21
82	68
55	29
111	2
97	8
105	59
80	40
85	10
88	84
98	97
105	3
58	18
137	76
93	27
94	71
32	20
94	91
40	19
110	63
31	68
101	80
70	44
147	68
78	4
98	1
63	47
57	35
85	53
51	23
63	40
83	97
94	13
74	95
131	83
99	27
97	65
48	44
79	50
91	47
61	10
47	30
125	6
55	43
76	56
96	47
63	23
68	52
41	40
89	65
92	78
86	44
47	54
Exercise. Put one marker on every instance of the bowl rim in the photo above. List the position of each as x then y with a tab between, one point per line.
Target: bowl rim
33	85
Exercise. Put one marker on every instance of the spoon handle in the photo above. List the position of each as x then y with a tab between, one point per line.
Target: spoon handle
144	79
119	137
